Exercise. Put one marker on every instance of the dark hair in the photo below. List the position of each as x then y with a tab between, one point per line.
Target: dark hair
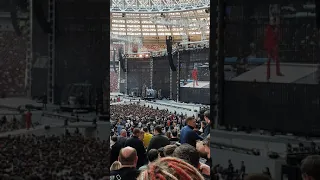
188	153
145	129
136	131
158	129
207	114
129	160
174	133
310	166
161	152
257	177
169	149
114	138
153	155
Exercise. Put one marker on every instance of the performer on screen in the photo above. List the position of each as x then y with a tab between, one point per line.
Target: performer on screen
195	76
271	44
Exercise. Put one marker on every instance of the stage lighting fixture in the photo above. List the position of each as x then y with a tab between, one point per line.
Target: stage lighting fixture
140	55
147	55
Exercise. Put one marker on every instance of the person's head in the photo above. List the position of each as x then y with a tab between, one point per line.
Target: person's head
115	166
145	129
128	157
114	139
157	130
170	168
207	116
310	168
123	133
206	144
169	149
141	135
161	152
257	177
190	121
168	134
153	155
136	132
187	153
174	133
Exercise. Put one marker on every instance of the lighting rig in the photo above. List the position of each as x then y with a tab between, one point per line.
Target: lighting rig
139	55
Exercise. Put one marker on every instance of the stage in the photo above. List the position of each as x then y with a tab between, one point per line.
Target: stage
201	84
292	73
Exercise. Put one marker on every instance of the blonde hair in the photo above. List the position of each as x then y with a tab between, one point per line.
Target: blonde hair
115	166
170	168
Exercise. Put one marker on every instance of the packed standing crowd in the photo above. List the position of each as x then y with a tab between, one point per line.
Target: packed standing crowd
67	157
148	143
12	64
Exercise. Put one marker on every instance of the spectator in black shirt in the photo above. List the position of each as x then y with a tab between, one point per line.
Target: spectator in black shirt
137	144
119	144
158	140
128	159
174	137
206	130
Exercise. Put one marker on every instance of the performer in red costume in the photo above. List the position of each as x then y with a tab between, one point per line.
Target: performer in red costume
271	45
28	116
195	77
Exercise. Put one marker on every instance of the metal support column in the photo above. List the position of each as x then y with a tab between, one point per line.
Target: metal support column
151	72
51	51
119	75
29	55
217	62
171	73
178	77
126	75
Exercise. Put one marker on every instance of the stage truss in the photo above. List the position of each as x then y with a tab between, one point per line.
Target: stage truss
156	6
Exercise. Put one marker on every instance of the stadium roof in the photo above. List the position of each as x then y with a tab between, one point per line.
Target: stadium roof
156	6
193	22
154	18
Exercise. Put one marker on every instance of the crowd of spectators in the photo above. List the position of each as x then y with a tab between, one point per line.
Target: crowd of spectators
12	64
158	144
221	173
10	124
113	81
67	157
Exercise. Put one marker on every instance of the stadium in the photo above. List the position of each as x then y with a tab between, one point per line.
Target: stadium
70	108
139	56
